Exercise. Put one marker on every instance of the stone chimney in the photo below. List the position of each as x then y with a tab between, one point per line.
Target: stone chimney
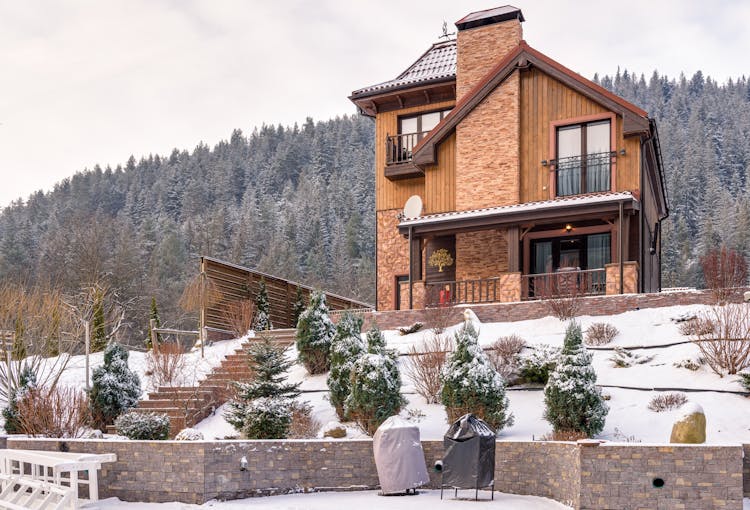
484	38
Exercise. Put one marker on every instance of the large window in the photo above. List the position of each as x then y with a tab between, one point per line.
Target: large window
411	130
583	158
566	253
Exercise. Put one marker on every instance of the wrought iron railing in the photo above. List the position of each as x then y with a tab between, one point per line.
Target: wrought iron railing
584	174
398	148
483	290
564	283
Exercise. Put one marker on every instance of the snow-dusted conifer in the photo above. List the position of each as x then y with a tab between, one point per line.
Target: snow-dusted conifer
153	315
375	385
314	334
572	400
115	388
299	305
26	380
346	347
263	407
472	385
98	324
262	309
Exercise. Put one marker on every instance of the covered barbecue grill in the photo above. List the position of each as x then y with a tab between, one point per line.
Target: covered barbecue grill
469	456
399	458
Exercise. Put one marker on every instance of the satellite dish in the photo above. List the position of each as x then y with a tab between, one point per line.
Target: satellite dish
413	207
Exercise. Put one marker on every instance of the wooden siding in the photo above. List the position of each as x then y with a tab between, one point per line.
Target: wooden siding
237	283
544	100
440	179
393	194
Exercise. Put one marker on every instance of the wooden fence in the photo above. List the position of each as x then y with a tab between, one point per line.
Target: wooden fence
237	283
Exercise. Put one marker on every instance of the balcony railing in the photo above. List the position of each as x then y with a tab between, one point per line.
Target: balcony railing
584	174
485	290
398	148
564	283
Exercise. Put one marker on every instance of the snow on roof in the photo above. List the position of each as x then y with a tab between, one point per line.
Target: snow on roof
600	198
438	62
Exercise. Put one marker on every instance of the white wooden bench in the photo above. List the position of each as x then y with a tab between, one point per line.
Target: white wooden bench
62	469
22	493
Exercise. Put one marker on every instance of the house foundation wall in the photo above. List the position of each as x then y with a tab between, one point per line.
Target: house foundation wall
613	476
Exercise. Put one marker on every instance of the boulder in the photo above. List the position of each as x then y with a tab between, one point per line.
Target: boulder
690	427
334	430
746	296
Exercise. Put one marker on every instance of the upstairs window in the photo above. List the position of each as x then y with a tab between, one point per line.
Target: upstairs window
584	161
411	130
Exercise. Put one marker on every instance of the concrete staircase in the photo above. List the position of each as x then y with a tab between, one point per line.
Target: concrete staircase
188	405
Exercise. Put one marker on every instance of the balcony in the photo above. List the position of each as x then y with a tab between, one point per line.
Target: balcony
398	156
577	175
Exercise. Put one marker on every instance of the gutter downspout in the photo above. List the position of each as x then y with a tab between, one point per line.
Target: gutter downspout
411	286
620	247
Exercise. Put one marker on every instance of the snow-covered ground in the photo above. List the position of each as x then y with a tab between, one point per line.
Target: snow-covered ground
629	418
425	500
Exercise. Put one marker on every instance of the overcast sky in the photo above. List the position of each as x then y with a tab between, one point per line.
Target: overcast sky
86	82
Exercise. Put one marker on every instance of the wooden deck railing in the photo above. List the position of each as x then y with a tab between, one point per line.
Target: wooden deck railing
577	282
484	290
398	148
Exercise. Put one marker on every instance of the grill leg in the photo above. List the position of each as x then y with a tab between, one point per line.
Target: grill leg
441	491
493	491
476	494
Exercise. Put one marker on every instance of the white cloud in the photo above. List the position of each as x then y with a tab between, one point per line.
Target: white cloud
86	82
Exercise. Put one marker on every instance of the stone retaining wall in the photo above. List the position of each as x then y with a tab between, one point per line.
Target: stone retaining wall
616	477
528	310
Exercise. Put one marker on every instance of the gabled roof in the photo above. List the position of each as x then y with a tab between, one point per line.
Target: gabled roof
436	64
635	120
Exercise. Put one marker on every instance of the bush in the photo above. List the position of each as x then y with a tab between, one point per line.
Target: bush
471	385
26	380
145	426
744	380
438	318
561	294
53	412
724	269
262	408
304	425
239	315
503	354
536	366
667	402
165	364
346	347
622	358
572	400
425	366
375	385
726	347
696	326
314	335
189	435
600	333
114	389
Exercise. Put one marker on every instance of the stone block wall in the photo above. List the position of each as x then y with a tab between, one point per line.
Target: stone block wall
616	477
393	258
481	254
629	278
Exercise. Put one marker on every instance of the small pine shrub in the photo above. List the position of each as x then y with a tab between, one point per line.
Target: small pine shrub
346	347
622	358
471	385
600	333
144	426
314	335
375	385
744	380
572	400
536	366
189	435
26	380
114	389
667	402
262	320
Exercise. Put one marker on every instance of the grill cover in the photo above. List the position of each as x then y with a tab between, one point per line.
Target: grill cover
399	458
469	454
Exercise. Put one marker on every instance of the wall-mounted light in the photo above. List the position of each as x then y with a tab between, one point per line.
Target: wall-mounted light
622	152
568	227
243	463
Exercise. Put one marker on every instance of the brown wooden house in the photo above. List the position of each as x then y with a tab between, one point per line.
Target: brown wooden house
533	180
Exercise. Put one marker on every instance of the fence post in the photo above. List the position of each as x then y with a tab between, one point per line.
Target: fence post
154	336
87	335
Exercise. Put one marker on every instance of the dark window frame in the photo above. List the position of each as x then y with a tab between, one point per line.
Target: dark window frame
443	113
582	153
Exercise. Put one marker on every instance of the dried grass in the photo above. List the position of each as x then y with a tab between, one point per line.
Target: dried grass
667	402
426	364
304	424
695	326
54	412
600	333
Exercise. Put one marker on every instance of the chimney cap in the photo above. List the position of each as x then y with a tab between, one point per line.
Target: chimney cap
489	17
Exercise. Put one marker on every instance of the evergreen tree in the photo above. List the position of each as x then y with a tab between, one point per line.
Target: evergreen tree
472	385
262	309
299	305
153	316
26	380
375	393
346	348
98	326
572	400
115	388
314	334
263	407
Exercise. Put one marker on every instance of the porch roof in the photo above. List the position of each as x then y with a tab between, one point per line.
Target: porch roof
558	209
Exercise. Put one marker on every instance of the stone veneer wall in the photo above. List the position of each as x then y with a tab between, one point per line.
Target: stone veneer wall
629	277
393	258
481	254
609	476
527	310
